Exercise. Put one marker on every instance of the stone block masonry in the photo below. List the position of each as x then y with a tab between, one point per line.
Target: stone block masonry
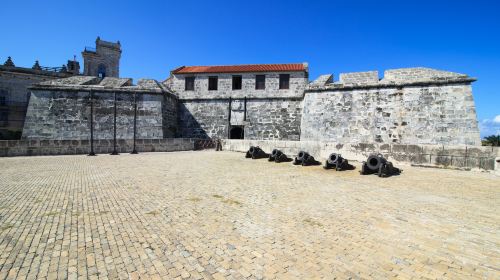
12	148
61	111
269	113
428	107
265	118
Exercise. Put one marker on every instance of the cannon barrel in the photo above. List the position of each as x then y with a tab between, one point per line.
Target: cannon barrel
334	158
374	161
255	152
301	156
377	164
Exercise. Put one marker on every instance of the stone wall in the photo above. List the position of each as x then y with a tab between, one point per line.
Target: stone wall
203	118
60	115
272	113
404	114
273	119
14	83
462	157
72	147
359	77
265	118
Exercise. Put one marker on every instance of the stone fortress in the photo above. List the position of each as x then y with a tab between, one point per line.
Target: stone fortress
257	102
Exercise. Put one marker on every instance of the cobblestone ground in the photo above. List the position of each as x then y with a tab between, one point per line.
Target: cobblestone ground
208	215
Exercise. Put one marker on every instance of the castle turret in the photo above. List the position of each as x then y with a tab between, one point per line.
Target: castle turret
103	60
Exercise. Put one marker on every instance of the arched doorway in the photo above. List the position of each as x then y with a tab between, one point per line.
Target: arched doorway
101	71
236	132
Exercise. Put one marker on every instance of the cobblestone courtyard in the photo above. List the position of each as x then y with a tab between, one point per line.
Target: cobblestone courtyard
208	215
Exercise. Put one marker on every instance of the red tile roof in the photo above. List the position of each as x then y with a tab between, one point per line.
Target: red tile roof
295	67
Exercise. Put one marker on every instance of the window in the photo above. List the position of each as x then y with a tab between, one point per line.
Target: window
260	82
284	81
237	81
212	83
189	83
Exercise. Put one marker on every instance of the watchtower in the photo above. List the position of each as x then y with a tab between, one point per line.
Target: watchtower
103	60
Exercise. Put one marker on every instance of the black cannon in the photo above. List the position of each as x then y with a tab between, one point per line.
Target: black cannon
256	153
278	156
377	164
337	162
304	159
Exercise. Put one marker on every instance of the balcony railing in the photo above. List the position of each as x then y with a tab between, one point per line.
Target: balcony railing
90	49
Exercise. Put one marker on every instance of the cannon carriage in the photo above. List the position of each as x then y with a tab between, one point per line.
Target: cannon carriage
278	156
377	164
303	158
337	162
255	152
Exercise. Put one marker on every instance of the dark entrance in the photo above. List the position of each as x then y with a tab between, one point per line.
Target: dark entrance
236	132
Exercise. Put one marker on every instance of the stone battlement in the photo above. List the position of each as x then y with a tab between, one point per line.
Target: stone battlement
392	77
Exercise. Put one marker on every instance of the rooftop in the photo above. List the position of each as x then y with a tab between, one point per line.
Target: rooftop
292	67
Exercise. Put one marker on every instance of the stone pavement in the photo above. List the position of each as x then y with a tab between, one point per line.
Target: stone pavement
208	215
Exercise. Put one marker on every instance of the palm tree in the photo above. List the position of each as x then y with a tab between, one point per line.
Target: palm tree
492	140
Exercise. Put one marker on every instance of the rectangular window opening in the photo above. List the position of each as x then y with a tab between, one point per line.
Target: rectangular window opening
237	82
284	81
212	83
260	82
189	83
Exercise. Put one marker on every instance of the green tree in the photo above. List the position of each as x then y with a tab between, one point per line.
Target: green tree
492	140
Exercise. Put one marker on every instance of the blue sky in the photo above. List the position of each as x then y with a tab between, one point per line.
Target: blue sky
332	36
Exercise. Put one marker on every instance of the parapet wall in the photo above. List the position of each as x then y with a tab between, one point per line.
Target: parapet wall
10	148
463	157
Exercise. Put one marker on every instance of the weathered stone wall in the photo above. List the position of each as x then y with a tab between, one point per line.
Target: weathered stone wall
273	119
272	113
463	157
65	115
265	118
14	83
359	77
203	118
72	147
408	114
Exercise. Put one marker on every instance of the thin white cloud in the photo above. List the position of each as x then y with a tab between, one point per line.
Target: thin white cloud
489	127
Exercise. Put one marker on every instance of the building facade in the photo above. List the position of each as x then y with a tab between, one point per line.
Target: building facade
260	101
242	101
63	109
